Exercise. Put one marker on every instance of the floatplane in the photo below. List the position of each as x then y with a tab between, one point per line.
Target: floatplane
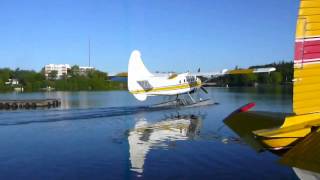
297	133
142	83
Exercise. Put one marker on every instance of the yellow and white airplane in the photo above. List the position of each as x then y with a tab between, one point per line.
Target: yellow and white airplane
142	83
299	131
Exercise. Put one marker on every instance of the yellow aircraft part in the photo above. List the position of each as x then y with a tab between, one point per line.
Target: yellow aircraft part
282	137
172	76
169	88
277	143
306	91
302	120
306	88
308	24
294	128
240	71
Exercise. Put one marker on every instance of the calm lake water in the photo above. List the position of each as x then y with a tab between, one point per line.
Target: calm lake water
110	135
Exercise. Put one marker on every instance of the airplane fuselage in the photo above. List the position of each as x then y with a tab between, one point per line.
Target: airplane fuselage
168	84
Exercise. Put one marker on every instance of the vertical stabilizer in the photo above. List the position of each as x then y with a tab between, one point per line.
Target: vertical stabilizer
306	91
137	72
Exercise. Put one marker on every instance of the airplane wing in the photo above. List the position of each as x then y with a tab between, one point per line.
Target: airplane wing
236	71
305	155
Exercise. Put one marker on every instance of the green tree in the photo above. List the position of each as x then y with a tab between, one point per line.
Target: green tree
122	74
28	86
250	79
5	74
64	76
34	81
264	78
276	77
53	75
1	85
75	70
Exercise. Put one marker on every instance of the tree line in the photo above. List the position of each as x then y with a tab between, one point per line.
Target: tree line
75	81
97	80
282	75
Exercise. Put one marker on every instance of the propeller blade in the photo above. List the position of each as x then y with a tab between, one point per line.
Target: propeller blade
204	90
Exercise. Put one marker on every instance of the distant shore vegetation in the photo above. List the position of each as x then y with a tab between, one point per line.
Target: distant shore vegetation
283	75
29	80
95	80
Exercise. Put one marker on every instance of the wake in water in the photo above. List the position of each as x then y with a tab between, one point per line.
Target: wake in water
45	116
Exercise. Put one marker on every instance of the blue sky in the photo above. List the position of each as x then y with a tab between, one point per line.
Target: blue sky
172	35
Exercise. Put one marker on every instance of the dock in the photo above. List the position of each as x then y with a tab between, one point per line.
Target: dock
29	104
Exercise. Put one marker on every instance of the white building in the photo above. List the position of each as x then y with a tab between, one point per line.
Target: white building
12	82
62	69
84	69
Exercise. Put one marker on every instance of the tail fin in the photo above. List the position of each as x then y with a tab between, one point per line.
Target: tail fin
306	91
137	72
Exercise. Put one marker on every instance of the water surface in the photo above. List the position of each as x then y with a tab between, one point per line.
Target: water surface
110	135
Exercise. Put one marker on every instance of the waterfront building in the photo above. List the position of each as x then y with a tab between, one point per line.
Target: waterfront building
12	82
61	69
83	70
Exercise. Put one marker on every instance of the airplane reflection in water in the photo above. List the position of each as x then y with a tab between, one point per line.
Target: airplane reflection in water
244	124
145	136
162	134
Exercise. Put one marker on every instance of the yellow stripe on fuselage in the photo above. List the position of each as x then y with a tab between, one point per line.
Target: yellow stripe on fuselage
168	88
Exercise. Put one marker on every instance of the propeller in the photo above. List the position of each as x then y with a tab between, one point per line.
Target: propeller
203	89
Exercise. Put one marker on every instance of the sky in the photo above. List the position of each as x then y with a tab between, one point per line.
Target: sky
172	35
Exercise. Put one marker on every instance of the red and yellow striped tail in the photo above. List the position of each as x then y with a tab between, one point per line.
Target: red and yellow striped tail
306	91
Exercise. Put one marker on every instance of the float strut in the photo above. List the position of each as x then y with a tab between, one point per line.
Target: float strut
191	98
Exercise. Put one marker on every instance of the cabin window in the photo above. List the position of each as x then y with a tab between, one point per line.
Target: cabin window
180	82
